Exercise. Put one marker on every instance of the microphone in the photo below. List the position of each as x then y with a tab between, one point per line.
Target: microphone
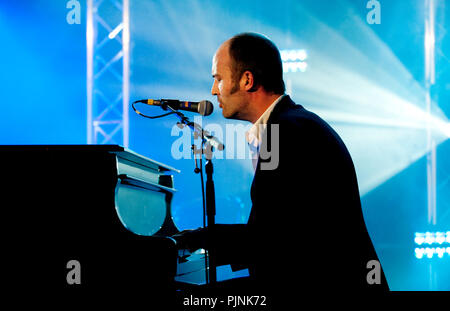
204	107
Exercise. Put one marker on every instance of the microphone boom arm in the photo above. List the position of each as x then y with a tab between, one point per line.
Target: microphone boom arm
198	130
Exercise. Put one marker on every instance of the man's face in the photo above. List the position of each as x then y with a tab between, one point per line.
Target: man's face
230	96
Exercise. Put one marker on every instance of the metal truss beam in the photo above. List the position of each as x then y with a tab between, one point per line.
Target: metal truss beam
108	40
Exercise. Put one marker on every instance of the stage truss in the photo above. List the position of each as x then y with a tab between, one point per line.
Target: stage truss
107	42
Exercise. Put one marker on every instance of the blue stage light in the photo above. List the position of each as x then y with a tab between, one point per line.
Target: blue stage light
419	239
419	252
294	60
437	244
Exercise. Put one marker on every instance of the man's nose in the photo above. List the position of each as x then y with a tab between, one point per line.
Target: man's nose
215	89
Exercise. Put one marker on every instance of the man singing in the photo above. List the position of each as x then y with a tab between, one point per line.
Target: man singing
306	230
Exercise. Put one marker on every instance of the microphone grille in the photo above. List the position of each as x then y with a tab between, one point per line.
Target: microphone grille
205	108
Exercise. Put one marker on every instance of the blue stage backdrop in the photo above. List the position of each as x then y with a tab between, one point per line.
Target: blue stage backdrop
365	76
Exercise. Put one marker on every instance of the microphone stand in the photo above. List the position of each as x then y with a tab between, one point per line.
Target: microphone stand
211	273
210	215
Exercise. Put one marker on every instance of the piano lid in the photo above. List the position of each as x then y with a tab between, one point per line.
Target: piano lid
120	151
132	156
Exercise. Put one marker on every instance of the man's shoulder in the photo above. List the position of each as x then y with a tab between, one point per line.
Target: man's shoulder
291	114
294	119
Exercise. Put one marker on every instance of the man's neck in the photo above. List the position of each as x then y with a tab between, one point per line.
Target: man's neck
261	104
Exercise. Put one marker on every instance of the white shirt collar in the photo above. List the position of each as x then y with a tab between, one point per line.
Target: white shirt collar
254	135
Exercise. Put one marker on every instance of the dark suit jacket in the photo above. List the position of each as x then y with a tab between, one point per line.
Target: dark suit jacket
306	224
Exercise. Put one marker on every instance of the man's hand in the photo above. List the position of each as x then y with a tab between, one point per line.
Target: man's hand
191	239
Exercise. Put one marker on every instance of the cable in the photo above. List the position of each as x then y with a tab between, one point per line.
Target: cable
150	117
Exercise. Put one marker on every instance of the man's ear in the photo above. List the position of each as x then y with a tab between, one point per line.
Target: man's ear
248	82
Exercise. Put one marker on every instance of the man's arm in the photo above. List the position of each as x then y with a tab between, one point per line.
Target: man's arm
229	242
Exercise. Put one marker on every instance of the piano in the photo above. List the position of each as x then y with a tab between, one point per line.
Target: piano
95	217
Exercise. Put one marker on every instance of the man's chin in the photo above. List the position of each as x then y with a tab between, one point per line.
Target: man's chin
226	114
229	116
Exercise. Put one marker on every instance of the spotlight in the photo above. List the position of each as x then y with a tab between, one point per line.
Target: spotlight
419	252
419	239
429	252
440	251
294	60
440	237
437	243
429	238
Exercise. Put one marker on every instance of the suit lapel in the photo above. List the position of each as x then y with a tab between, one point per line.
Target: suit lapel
274	117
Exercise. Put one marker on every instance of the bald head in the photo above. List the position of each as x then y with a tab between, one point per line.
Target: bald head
247	74
257	54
